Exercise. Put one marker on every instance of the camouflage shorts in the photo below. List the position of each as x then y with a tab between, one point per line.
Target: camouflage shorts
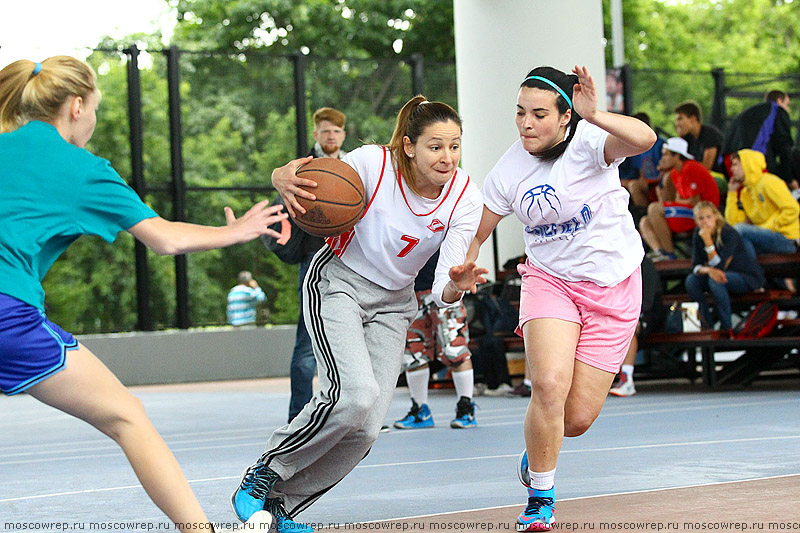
436	333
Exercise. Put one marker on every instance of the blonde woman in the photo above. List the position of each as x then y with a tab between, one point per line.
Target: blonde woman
52	192
722	265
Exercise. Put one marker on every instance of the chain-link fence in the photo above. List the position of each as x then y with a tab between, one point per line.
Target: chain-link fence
196	131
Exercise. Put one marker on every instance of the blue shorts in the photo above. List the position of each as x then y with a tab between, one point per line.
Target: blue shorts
31	347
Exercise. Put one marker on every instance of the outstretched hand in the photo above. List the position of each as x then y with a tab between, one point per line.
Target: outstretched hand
584	93
288	185
256	221
468	276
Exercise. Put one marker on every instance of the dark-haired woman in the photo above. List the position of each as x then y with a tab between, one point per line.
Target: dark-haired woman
581	284
358	301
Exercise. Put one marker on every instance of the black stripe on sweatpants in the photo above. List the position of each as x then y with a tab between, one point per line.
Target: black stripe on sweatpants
320	415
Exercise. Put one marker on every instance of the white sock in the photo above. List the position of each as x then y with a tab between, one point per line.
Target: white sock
542	480
418	384
464	382
627	370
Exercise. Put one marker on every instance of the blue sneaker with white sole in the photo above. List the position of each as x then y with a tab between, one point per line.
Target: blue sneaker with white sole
418	417
539	514
250	496
283	522
523	472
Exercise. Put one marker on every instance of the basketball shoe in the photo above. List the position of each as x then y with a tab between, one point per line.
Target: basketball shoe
539	515
257	482
624	386
418	417
465	414
523	473
283	522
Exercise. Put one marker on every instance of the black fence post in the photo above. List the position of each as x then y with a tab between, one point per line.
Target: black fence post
178	184
417	62
299	61
627	89
144	319
718	108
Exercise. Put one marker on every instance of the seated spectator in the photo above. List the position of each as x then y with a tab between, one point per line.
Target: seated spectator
640	174
766	128
705	140
692	183
761	207
723	265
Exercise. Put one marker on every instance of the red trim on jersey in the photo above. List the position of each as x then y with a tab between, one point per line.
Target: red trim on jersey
450	188
458	200
378	186
339	243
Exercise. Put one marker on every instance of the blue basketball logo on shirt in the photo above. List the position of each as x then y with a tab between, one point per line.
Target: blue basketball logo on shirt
545	199
561	230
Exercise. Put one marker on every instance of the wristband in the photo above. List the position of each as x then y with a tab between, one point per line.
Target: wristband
710	249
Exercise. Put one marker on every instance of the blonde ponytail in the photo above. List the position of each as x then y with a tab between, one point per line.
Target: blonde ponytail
36	91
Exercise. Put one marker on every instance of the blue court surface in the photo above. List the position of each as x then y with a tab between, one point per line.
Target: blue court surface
672	434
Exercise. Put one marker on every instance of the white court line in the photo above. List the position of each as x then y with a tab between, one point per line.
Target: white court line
255	443
643	491
434	461
172	443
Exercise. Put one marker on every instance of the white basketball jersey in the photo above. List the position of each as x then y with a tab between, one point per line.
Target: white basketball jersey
400	230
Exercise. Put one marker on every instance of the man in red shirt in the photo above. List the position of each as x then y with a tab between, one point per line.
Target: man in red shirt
685	183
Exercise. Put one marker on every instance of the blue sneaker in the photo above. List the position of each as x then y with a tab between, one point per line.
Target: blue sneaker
465	414
249	498
523	472
539	515
283	523
418	417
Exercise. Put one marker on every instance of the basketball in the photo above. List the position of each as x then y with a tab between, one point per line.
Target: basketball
340	197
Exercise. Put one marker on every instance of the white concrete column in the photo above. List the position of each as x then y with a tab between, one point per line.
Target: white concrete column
497	43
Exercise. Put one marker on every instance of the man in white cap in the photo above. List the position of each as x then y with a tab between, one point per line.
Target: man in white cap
692	182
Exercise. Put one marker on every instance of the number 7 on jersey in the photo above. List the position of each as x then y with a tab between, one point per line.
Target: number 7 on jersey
411	243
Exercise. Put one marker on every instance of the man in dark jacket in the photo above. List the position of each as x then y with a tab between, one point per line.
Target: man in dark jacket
329	134
766	128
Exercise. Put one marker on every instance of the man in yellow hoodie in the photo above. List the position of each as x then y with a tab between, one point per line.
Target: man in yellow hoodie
761	207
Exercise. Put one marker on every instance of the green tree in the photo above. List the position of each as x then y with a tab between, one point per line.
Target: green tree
327	28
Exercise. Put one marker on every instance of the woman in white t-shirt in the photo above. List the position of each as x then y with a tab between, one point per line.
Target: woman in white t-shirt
581	283
358	301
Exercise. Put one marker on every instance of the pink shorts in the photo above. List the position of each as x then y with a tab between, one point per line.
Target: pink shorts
607	315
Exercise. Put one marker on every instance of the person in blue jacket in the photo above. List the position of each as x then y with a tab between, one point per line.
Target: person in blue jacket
52	191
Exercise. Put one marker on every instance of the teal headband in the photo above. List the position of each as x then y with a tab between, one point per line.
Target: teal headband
37	69
553	85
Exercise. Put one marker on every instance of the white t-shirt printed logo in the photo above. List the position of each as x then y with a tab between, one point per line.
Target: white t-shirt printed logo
561	198
545	203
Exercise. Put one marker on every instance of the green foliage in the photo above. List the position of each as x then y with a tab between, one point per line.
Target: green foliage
327	28
694	36
239	122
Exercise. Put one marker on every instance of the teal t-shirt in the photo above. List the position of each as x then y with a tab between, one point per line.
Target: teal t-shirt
51	193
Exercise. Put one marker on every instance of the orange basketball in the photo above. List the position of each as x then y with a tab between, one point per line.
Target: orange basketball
340	197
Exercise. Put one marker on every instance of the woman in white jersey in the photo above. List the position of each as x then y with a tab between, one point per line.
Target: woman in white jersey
581	284
358	301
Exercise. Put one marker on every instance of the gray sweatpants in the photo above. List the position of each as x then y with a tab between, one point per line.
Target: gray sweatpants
358	330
